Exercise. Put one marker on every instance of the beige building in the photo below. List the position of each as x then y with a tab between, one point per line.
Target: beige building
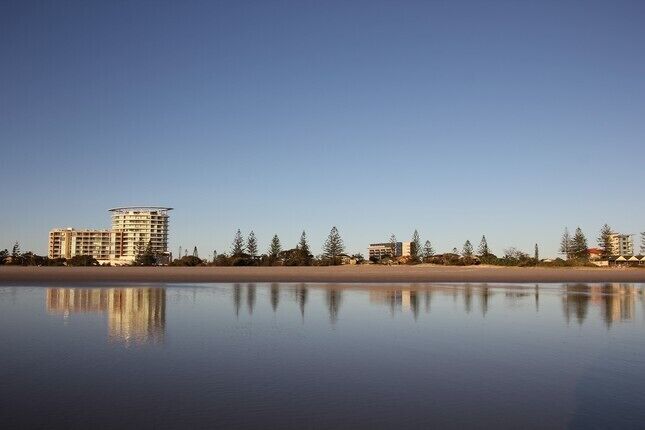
69	242
380	250
622	244
133	228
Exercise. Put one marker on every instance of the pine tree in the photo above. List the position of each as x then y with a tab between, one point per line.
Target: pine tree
303	250
15	251
428	250
333	246
214	256
467	251
604	241
643	243
565	244
393	246
579	247
238	244
536	256
455	251
147	257
415	247
275	247
483	247
252	245
195	253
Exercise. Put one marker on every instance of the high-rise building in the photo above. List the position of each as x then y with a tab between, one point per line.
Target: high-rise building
622	244
133	228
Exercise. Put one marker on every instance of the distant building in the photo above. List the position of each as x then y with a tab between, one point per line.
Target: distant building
594	253
380	250
622	244
133	228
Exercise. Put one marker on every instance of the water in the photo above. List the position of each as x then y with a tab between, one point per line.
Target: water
319	356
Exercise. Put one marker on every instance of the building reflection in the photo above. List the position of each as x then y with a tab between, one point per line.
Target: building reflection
135	315
617	302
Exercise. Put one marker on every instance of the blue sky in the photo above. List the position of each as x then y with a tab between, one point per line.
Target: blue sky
510	119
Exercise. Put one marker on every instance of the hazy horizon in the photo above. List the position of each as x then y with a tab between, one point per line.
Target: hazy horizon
509	119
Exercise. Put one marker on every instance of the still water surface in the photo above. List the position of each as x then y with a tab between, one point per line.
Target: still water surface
323	356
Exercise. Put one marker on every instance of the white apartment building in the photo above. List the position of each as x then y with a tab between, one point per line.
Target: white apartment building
132	229
622	244
380	250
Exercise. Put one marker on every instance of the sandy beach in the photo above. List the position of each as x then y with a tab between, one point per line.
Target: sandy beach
358	274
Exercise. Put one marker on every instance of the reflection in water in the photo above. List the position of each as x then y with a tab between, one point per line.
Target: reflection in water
250	297
467	349
576	302
275	296
333	298
301	298
237	298
484	297
135	315
616	301
468	298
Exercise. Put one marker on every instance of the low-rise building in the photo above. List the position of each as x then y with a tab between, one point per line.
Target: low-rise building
380	250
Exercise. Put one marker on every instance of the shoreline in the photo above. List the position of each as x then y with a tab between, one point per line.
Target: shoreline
344	274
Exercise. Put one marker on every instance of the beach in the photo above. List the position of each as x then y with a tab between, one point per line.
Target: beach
346	274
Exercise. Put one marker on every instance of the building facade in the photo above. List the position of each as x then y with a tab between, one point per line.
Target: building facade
380	250
622	244
69	242
133	228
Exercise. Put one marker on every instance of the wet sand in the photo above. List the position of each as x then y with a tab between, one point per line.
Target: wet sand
359	274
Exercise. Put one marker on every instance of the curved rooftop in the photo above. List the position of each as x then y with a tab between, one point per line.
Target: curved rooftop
140	208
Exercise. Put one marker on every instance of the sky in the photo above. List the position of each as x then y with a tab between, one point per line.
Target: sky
457	118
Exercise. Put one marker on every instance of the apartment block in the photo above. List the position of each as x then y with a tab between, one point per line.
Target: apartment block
380	250
622	244
133	228
69	242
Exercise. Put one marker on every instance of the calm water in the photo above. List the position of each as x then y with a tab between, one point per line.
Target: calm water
317	356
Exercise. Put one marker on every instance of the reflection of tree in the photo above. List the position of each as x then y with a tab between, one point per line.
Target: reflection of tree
537	298
250	297
484	296
275	296
301	298
428	297
468	298
333	298
414	303
617	302
393	297
576	300
237	298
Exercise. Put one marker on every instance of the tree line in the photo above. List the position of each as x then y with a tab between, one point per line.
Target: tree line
245	252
